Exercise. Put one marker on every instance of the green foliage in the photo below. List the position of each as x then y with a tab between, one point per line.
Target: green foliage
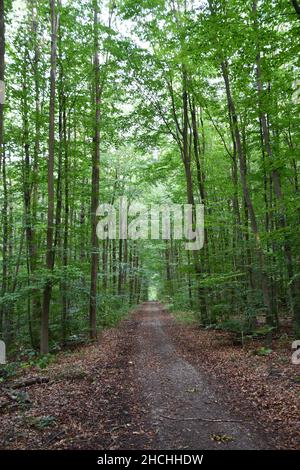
162	52
263	351
40	422
263	330
234	326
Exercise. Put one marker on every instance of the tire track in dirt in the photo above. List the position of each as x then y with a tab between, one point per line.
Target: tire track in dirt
130	390
184	410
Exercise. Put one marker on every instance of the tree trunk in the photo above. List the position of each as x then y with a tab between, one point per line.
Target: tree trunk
65	302
32	247
50	215
265	285
186	156
28	187
2	68
276	179
95	183
296	5
5	308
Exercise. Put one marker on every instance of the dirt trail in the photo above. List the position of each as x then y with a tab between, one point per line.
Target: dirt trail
186	411
131	390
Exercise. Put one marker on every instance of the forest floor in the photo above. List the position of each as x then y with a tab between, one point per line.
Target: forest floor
153	383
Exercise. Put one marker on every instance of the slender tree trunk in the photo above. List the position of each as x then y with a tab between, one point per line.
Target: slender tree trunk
120	276
59	194
186	156
2	68
4	308
65	302
203	197
265	284
296	5
293	286
28	177
105	245
95	182
125	262
50	217
32	242
168	268
189	281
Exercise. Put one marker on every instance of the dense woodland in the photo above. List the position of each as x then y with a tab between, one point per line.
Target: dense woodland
164	102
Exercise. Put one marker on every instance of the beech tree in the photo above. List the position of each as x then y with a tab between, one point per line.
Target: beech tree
50	216
182	103
95	181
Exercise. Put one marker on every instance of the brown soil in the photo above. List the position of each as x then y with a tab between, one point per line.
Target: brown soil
143	385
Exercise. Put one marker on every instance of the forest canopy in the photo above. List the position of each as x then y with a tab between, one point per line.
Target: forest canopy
164	102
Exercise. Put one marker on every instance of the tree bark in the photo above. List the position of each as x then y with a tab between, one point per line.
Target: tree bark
296	5
50	216
265	285
32	244
2	70
65	302
5	308
276	179
186	157
95	182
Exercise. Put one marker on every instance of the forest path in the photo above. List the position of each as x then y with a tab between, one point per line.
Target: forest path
185	410
132	389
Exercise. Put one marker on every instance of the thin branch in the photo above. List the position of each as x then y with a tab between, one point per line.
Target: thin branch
208	420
